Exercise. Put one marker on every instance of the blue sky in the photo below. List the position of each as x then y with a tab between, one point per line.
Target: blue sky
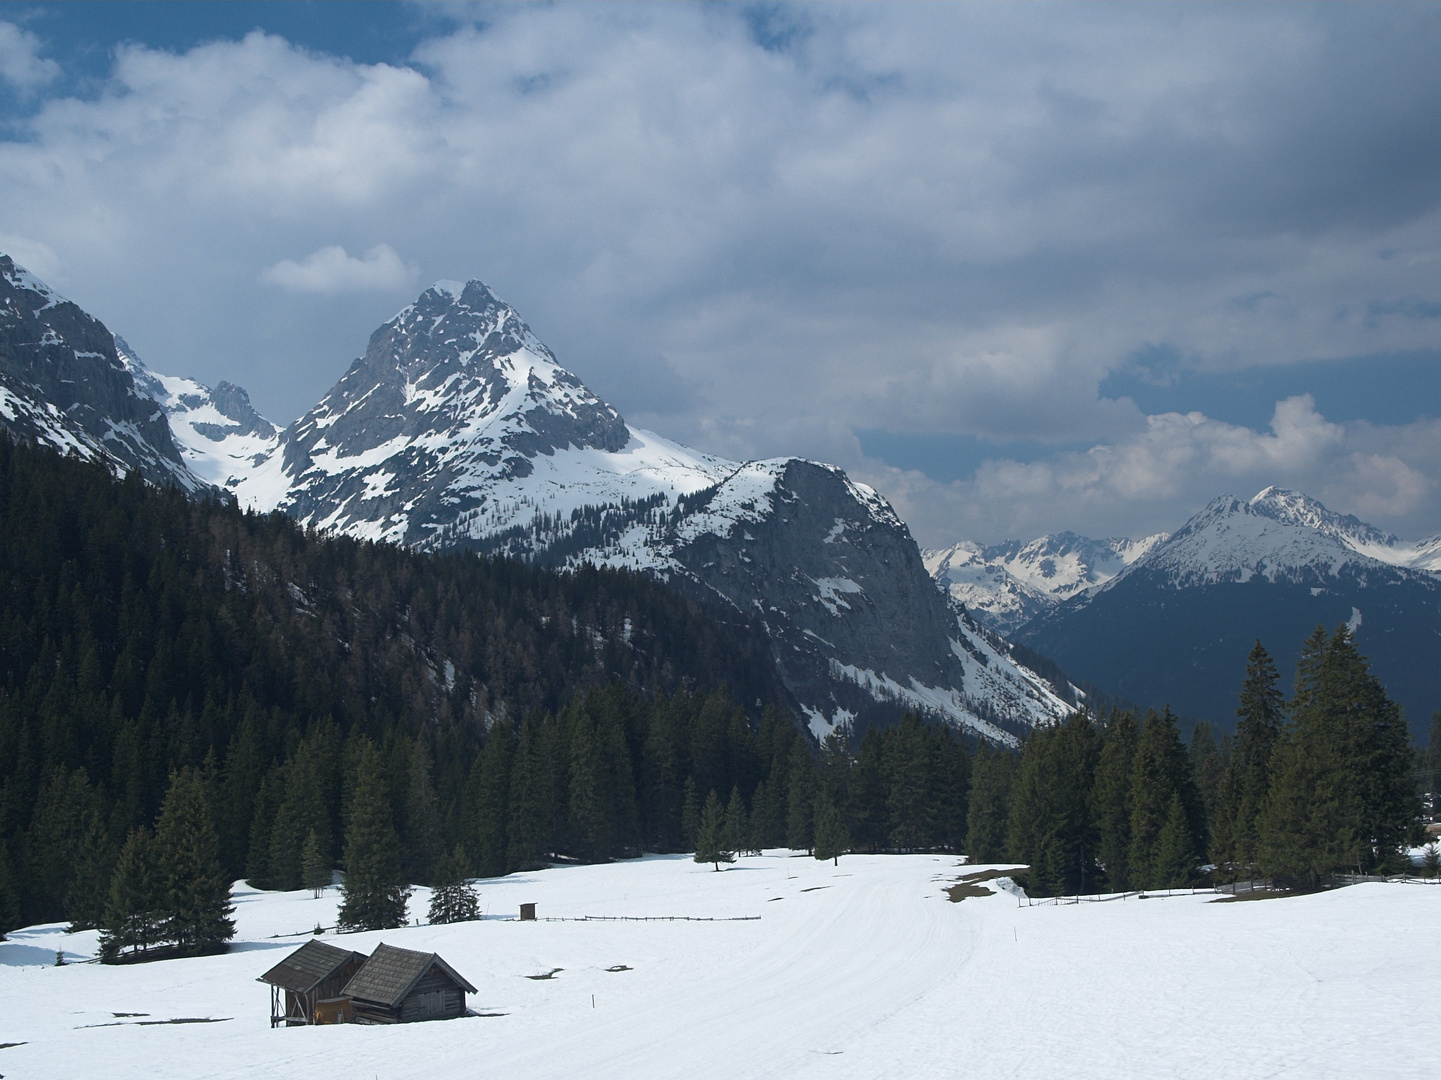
1021	267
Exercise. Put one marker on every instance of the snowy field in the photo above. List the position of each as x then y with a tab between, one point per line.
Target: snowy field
864	970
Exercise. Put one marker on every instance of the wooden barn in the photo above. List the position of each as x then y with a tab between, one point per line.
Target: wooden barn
396	986
307	986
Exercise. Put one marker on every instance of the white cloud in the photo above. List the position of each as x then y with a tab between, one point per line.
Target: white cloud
932	218
330	271
21	65
1155	479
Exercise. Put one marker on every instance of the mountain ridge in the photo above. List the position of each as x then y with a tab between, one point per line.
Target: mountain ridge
458	428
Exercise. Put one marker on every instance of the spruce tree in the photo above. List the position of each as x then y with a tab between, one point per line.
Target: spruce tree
134	917
374	893
911	796
1110	799
453	898
870	818
531	802
690	814
831	838
94	866
1175	849
988	816
489	800
800	799
710	835
1342	796
421	817
187	858
9	892
737	827
1160	770
588	826
1207	764
315	865
1247	778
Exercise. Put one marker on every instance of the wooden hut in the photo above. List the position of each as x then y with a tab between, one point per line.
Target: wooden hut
396	986
305	987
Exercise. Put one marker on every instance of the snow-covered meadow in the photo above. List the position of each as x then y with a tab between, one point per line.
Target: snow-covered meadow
861	970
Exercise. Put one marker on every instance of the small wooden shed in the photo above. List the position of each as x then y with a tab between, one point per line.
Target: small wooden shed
396	986
306	987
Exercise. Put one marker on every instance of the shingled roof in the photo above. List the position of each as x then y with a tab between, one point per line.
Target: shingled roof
308	966
390	973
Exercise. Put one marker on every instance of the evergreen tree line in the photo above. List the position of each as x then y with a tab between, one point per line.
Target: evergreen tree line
1318	785
143	634
321	703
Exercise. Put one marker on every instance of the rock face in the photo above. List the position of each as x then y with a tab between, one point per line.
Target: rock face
452	396
63	384
839	584
1176	625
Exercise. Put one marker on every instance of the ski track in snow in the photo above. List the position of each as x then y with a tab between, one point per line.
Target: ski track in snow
863	970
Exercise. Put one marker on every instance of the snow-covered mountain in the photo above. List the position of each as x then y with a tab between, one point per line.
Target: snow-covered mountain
458	428
1175	625
223	441
62	384
1006	585
1279	535
458	424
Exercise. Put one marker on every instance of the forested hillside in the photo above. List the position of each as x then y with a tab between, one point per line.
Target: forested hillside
142	632
173	667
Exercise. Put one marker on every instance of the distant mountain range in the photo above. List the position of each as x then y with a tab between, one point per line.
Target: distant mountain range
1008	584
458	429
1171	618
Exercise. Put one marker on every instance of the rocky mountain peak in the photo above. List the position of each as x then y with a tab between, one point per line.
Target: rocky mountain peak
1296	508
63	384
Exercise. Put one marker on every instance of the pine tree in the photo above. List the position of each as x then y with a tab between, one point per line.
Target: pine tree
588	826
134	918
1110	799
1175	850
453	899
1247	778
374	893
988	816
489	800
315	865
1050	825
1341	795
911	796
870	825
690	814
9	893
737	827
831	840
710	836
800	808
421	818
187	858
94	865
1160	770
531	802
1207	764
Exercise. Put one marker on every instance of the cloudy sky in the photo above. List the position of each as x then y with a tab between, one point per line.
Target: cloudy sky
1022	267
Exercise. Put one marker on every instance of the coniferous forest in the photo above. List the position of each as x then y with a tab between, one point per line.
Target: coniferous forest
190	694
